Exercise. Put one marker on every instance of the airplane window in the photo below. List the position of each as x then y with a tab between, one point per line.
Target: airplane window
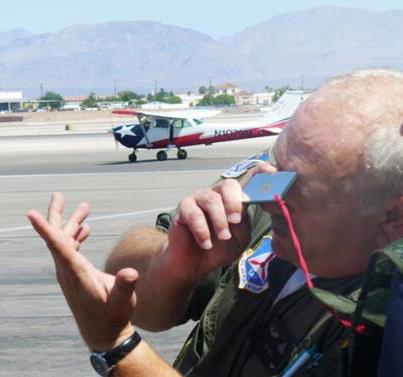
186	123
147	122
177	123
162	123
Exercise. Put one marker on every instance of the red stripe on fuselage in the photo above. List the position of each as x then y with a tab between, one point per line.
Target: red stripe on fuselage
222	135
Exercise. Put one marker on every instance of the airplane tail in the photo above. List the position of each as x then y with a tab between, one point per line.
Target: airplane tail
285	107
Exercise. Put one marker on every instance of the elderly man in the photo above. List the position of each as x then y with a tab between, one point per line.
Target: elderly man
345	142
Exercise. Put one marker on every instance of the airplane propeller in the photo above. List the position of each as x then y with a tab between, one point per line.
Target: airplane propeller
110	131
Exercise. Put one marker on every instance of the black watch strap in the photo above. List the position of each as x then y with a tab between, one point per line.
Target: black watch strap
119	352
105	362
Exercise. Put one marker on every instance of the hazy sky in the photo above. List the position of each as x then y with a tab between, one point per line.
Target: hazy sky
214	17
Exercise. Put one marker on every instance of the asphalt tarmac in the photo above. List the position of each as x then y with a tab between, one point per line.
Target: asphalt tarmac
38	334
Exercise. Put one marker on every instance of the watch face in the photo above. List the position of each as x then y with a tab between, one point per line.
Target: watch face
99	364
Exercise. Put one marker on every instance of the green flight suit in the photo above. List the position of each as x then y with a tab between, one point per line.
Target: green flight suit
242	334
234	335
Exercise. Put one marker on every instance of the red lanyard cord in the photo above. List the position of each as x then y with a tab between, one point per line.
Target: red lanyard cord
301	260
295	240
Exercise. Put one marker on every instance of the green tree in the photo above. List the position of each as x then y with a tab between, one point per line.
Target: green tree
90	101
207	100
221	100
140	101
166	97
224	99
173	99
128	96
279	92
55	100
202	90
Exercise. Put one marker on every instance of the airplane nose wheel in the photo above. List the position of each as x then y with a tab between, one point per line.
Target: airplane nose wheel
162	156
132	157
182	154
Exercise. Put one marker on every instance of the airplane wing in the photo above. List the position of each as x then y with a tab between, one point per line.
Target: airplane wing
186	114
274	128
271	130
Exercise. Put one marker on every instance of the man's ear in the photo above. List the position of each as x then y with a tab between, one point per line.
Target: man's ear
392	228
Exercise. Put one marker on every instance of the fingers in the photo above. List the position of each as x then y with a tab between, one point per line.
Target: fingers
211	211
40	224
82	233
191	215
231	194
121	294
74	223
61	239
55	209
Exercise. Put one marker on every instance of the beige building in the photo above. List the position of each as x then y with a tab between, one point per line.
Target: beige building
243	98
190	100
227	88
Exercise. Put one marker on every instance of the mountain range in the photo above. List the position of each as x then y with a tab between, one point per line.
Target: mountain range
140	55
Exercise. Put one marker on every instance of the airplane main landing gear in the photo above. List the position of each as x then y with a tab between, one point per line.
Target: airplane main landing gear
133	157
182	154
162	156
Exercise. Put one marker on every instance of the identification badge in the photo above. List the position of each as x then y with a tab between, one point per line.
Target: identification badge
253	267
242	167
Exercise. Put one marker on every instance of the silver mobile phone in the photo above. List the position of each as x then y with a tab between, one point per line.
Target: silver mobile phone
263	187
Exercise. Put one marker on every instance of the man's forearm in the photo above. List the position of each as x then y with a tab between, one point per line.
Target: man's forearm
162	292
144	362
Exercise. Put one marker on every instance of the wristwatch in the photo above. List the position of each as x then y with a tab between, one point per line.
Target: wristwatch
105	362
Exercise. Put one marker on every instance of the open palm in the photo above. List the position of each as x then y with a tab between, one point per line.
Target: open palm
102	304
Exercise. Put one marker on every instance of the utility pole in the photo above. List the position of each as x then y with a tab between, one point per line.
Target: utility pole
114	87
302	82
41	89
155	87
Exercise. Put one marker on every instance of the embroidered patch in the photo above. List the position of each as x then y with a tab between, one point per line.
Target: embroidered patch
253	267
242	167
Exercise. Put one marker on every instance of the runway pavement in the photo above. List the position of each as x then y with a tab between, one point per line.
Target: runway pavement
38	334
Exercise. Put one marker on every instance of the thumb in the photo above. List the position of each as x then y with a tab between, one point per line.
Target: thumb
122	291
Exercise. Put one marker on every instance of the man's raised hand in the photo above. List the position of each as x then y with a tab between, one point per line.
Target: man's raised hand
102	304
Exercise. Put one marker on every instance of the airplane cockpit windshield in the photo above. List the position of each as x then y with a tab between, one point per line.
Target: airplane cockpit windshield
166	122
148	122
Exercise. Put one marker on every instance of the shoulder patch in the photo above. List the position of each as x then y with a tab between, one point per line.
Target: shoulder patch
254	265
242	167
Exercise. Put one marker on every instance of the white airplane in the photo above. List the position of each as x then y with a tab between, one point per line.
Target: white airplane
167	130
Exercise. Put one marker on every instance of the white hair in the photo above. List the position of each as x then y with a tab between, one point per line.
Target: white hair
382	177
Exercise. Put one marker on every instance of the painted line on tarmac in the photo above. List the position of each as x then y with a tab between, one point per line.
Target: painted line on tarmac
107	173
98	218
